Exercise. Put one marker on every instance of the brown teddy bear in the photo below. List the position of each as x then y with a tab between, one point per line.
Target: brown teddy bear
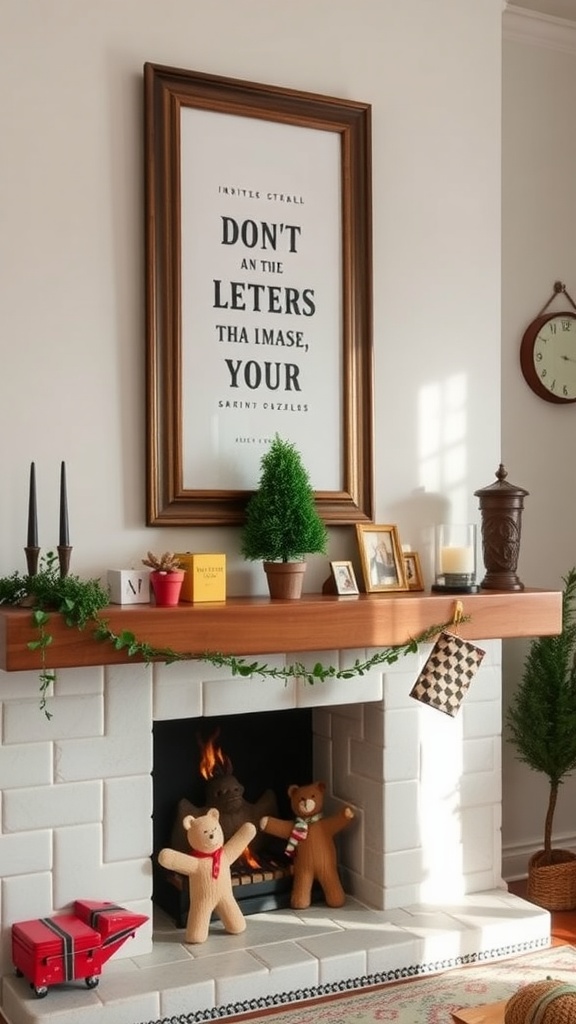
207	865
311	844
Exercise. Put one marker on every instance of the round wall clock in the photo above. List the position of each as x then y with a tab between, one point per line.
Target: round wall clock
548	355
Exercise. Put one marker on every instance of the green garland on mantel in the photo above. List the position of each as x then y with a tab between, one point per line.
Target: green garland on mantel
126	641
81	602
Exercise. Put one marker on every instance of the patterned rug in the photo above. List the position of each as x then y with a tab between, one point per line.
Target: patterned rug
431	1000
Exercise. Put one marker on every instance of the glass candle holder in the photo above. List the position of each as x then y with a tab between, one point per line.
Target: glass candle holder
455	558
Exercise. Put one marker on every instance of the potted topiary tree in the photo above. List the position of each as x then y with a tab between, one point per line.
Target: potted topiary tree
542	725
282	524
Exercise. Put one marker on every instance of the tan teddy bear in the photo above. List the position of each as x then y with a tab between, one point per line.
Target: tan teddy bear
311	844
208	868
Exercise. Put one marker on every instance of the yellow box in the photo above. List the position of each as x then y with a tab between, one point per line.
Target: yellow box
205	578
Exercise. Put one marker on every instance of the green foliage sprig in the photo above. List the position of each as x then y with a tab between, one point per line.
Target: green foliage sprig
40	619
541	718
78	601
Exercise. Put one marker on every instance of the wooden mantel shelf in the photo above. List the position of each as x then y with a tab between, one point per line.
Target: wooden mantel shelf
257	625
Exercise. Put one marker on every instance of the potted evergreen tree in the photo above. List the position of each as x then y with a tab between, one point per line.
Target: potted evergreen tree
542	726
282	524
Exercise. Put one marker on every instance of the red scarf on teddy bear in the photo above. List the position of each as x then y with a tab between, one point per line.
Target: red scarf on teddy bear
216	858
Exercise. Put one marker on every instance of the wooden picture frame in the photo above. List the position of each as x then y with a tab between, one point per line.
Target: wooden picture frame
344	577
414	578
258	294
381	557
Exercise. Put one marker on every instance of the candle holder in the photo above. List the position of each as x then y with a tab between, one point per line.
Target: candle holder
64	554
32	555
455	558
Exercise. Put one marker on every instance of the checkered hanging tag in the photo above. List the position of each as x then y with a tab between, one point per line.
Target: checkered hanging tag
447	673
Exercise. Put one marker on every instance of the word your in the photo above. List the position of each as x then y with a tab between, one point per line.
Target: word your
272	375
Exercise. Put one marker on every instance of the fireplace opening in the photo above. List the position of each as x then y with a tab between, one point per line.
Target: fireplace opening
243	765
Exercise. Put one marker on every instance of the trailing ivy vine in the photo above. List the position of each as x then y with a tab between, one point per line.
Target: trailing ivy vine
126	641
81	602
40	619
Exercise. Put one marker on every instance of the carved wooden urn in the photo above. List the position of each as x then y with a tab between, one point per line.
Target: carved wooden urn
501	505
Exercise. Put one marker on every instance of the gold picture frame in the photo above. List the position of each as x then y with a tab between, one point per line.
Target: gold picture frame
344	579
414	577
381	557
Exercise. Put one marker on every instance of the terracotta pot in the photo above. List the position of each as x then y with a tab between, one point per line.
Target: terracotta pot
166	587
285	579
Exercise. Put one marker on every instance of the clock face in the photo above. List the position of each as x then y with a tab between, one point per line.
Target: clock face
548	357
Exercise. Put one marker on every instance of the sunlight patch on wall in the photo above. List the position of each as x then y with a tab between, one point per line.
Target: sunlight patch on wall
443	469
442	432
441	754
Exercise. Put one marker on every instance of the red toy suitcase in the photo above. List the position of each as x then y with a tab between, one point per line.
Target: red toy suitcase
51	950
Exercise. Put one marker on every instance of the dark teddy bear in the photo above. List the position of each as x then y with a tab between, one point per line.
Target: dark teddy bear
311	844
226	794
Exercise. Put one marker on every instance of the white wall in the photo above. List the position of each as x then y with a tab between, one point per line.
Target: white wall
538	438
72	278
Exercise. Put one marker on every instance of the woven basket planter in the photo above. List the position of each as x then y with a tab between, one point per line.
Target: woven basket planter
553	886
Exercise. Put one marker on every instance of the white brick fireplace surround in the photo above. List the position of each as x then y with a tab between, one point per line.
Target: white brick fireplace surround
421	862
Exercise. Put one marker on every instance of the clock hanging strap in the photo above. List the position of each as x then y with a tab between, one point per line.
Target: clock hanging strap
558	288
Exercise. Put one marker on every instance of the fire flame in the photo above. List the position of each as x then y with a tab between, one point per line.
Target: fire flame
212	760
250	859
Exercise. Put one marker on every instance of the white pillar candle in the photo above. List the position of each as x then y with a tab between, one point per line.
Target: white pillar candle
457	560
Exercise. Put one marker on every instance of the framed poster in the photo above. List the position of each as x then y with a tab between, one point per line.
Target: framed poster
258	293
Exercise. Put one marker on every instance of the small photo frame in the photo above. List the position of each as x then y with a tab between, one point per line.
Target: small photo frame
344	579
413	570
382	557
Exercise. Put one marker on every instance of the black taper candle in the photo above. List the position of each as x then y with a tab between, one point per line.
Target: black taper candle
32	541
64	537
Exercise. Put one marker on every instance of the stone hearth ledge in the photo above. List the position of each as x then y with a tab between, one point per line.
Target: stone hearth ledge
256	625
285	957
